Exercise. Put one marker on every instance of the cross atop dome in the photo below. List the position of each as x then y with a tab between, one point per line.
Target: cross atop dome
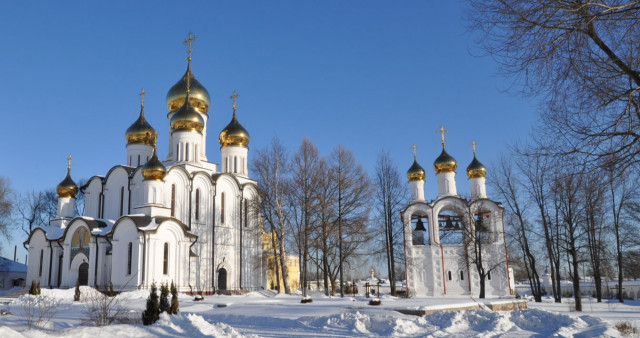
69	162
190	39
233	98
142	93
442	131
414	148
473	145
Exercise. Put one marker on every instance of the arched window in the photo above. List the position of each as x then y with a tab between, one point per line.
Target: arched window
121	200
222	208
235	164
450	226
177	152
165	260
226	165
197	204
41	257
129	257
461	275
130	161
138	160
195	153
449	274
173	200
100	197
186	157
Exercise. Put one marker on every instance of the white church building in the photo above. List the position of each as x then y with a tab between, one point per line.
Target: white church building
448	238
184	220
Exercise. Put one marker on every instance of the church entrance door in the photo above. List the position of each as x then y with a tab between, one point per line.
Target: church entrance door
83	274
222	279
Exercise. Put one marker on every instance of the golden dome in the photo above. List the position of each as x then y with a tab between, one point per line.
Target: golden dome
198	95
476	169
67	188
234	134
445	163
141	132
187	118
154	169
416	173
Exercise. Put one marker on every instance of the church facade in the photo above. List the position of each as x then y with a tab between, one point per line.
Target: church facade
184	220
450	240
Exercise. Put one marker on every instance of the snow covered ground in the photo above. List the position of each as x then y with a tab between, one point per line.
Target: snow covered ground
257	315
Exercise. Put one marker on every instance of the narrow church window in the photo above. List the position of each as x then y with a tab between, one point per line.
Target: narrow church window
177	152
121	200
138	160
195	153
461	275
197	204
449	274
222	208
245	212
235	164
130	161
173	200
186	157
100	205
129	256
165	261
226	164
41	256
242	171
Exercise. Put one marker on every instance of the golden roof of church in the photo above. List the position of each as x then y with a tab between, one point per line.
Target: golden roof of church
140	131
67	188
416	172
198	94
234	133
445	163
154	169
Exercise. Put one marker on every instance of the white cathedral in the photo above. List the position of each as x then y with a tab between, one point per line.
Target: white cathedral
184	220
440	236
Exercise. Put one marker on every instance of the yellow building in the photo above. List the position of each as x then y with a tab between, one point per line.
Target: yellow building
293	265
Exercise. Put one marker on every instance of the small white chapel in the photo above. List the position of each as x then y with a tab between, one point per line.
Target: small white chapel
448	239
184	220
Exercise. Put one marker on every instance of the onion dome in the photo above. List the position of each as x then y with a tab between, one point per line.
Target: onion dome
187	118
234	134
67	188
198	95
416	173
141	132
154	169
476	169
445	163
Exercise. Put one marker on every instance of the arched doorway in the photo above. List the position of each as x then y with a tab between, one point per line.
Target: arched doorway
83	274
222	279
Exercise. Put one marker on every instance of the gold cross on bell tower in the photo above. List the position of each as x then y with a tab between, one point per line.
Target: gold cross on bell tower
142	93
415	153
233	98
190	39
69	162
473	145
442	131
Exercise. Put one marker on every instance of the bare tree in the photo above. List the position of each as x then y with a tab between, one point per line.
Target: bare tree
506	183
390	196
582	58
305	170
272	167
6	206
35	209
353	191
593	221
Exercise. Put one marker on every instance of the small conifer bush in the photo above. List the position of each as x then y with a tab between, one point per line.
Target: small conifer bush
150	314
164	299
174	300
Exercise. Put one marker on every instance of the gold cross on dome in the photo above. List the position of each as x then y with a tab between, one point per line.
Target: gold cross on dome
233	98
142	92
69	162
442	131
473	145
414	148
188	42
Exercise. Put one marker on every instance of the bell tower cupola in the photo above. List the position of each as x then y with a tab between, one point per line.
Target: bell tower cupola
476	172
445	167
416	175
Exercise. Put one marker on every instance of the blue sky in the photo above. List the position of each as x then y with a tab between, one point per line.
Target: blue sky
366	74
